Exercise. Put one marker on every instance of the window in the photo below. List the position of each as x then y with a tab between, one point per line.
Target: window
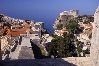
36	35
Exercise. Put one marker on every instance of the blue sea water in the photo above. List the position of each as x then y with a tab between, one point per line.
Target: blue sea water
49	27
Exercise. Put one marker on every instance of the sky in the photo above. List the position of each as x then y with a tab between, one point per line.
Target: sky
45	10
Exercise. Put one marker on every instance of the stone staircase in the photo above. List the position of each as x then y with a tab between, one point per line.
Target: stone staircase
70	61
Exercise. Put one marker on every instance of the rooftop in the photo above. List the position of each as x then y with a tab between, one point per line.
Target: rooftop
17	33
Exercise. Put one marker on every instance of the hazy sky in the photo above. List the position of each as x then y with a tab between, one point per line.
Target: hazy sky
45	10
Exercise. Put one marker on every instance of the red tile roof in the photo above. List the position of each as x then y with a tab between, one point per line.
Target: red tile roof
17	33
21	29
63	31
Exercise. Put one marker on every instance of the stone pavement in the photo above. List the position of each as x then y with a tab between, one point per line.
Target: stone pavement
15	54
26	53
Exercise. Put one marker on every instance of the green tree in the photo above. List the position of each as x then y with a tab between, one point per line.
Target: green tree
59	26
7	24
79	50
62	46
72	27
68	46
55	46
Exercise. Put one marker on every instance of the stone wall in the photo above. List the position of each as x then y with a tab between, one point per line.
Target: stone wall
95	40
71	61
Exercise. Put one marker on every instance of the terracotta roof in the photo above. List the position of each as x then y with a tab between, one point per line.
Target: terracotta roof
64	29
89	25
17	33
60	32
21	29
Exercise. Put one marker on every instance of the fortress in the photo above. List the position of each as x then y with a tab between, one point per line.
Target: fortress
93	60
71	12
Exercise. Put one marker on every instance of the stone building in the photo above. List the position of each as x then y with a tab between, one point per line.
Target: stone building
74	13
71	12
26	39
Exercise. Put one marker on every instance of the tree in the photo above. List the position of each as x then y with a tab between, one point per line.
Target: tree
79	50
72	27
59	26
61	46
7	24
68	46
54	46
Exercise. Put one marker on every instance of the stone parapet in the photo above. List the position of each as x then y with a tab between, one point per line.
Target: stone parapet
70	61
94	54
